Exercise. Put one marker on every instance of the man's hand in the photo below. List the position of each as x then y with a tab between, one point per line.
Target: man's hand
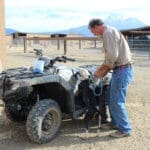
102	71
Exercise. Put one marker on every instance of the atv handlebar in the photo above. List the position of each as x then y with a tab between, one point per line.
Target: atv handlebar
51	61
69	59
60	59
38	52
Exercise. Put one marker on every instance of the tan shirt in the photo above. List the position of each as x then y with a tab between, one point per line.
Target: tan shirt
117	51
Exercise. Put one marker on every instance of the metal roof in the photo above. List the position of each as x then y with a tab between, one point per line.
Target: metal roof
137	31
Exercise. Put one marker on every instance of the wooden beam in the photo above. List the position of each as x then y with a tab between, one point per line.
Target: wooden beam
62	38
2	37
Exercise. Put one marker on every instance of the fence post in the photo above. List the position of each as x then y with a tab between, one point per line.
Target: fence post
58	44
149	51
65	46
95	43
25	46
79	44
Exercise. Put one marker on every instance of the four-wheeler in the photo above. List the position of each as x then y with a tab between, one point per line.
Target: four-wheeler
41	94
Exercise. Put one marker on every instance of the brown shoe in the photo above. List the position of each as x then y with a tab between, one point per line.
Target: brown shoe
108	126
119	134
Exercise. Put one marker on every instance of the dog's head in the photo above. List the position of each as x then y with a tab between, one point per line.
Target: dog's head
83	74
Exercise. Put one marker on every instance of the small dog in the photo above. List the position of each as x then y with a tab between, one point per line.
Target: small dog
83	86
90	102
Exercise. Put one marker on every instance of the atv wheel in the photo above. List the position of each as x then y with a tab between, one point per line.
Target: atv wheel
14	117
43	121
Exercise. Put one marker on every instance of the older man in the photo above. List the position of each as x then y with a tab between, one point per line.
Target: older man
117	58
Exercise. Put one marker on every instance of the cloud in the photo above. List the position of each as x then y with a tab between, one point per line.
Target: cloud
82	5
54	15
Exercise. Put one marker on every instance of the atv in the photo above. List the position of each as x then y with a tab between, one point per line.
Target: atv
41	94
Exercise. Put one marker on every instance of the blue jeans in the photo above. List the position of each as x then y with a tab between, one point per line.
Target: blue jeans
117	97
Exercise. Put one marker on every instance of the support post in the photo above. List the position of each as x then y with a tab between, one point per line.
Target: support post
2	37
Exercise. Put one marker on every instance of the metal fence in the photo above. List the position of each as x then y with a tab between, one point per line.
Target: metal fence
142	45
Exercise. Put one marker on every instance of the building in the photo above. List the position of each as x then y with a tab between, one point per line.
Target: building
138	38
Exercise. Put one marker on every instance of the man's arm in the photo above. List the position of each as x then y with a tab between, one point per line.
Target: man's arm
102	71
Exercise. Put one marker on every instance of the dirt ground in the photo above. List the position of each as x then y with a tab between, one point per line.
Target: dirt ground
72	135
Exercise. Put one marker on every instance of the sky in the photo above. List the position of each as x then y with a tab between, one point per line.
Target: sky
57	15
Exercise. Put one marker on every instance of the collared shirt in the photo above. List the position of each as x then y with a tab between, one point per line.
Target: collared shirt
117	51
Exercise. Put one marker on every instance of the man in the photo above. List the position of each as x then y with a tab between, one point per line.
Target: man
118	59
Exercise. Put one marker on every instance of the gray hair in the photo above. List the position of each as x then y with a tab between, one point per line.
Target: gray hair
95	22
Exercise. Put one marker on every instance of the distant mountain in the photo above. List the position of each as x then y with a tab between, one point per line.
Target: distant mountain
123	23
118	22
82	30
9	31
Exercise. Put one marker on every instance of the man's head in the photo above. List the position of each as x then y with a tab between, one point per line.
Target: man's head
96	26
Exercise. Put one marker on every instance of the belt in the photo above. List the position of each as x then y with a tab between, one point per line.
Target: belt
122	66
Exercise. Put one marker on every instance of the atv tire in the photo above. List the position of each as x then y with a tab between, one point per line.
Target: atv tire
43	121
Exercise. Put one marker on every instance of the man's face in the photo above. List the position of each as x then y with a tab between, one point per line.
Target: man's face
97	30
